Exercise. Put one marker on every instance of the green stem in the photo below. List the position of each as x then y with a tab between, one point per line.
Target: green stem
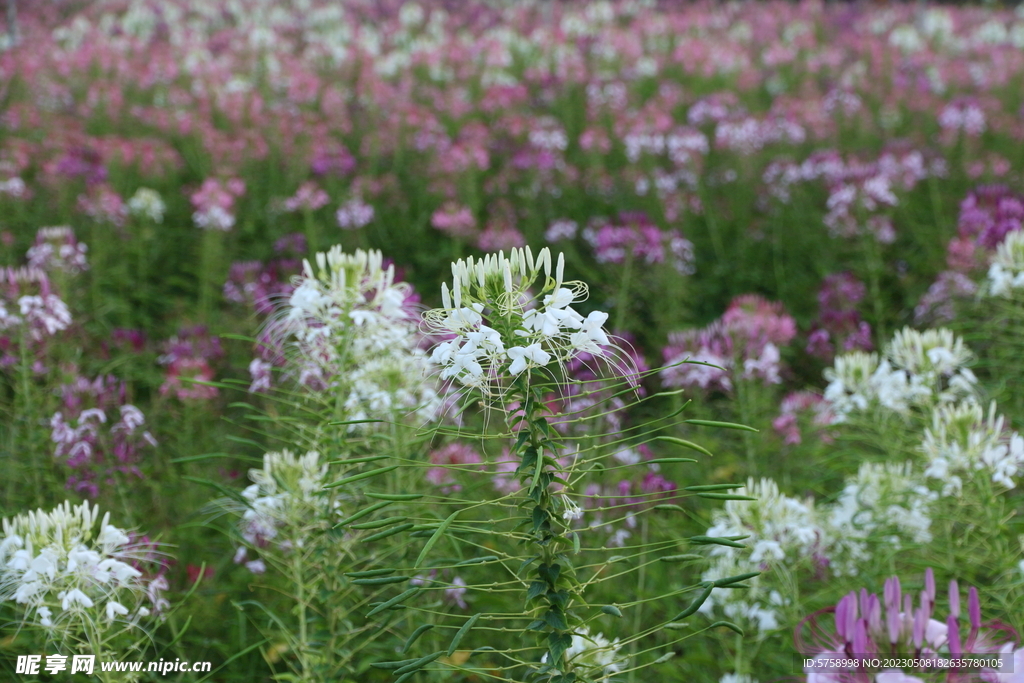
638	610
622	301
300	609
873	264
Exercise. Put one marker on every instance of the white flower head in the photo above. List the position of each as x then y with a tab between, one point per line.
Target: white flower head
506	315
71	570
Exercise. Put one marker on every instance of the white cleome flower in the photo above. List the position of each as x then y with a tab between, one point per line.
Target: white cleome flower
1006	273
962	442
347	328
502	326
67	569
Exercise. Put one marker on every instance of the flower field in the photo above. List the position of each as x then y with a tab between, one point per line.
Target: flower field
526	341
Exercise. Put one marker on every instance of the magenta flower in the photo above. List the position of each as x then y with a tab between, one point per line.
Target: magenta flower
865	626
448	460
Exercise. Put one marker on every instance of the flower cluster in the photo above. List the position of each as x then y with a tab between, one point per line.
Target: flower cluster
148	204
866	626
636	238
963	440
260	284
1006	273
188	356
57	249
28	302
354	214
285	501
787	424
98	434
742	345
350	327
498	327
781	530
839	324
72	576
309	197
214	203
918	369
884	503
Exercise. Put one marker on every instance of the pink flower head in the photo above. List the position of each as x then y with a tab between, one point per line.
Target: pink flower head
57	249
309	197
454	220
449	460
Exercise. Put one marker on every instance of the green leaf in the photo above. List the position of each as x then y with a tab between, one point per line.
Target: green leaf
462	632
537	589
721	425
668	461
558	643
669	506
556	619
549	573
526	563
434	538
